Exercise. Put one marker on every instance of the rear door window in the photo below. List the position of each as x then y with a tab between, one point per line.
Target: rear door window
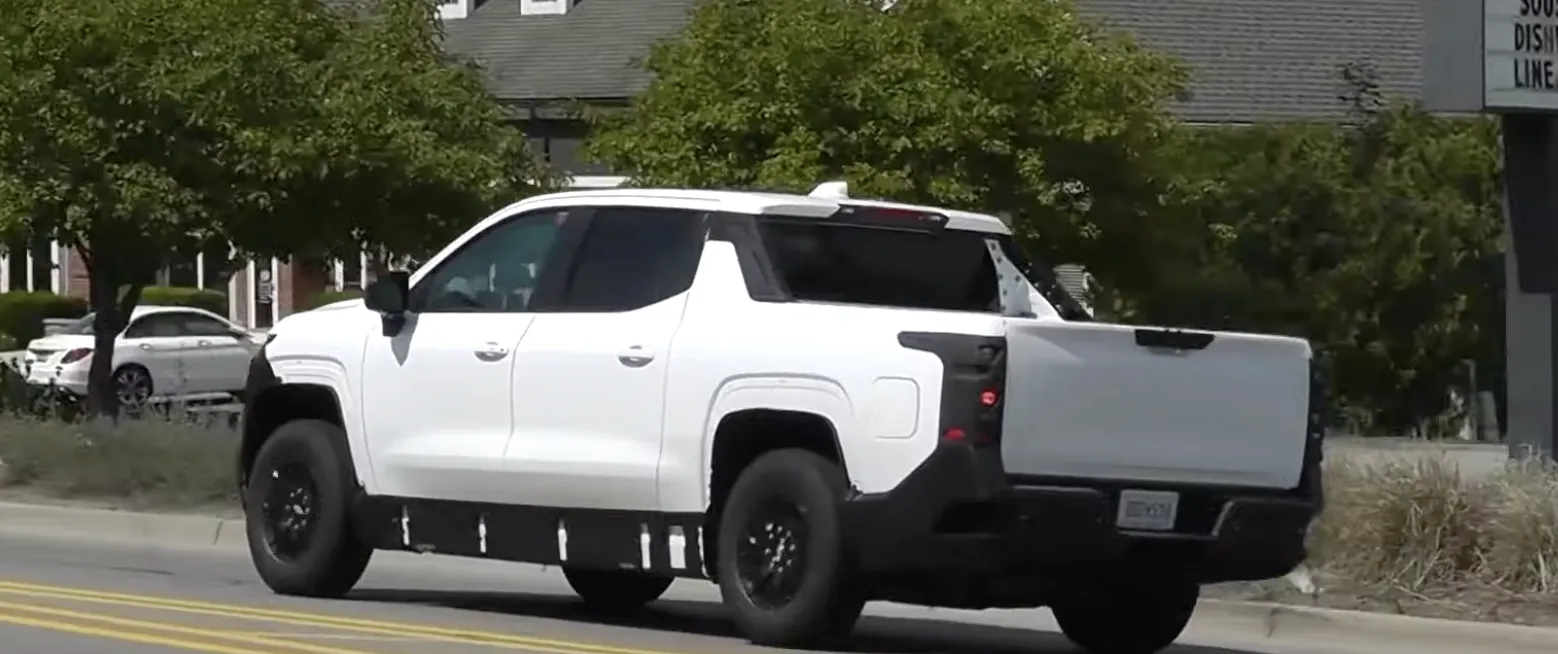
821	262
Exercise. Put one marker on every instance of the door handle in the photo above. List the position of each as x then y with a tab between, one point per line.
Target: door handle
146	346
491	352
636	357
203	343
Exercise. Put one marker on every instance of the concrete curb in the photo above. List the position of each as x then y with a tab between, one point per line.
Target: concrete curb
107	524
1215	618
1302	624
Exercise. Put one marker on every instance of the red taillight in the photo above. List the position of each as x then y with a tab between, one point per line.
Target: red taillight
989	398
75	355
954	434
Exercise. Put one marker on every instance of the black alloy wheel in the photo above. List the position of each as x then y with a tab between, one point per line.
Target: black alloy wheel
771	555
290	511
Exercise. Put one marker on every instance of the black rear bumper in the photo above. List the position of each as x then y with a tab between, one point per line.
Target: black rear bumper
960	513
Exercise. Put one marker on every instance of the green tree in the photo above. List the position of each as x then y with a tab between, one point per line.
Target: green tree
131	129
1377	239
1002	106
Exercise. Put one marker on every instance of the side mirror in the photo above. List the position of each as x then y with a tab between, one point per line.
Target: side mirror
389	293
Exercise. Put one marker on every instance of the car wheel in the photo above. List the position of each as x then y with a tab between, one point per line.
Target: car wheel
297	511
1141	619
133	387
616	589
783	568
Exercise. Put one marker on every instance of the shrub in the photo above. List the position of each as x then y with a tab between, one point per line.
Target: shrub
329	297
179	296
22	313
1422	527
152	460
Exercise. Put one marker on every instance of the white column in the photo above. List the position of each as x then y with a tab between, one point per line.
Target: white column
232	292
31	283
56	285
338	266
200	270
5	273
252	279
275	291
362	269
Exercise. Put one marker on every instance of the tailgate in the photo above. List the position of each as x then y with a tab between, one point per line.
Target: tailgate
1118	402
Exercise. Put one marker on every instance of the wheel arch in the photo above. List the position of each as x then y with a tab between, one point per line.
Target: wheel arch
753	416
272	398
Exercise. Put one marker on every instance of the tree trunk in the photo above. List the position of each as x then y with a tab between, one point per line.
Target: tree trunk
111	311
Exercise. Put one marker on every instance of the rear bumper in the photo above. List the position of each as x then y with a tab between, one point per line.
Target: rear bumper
959	512
66	379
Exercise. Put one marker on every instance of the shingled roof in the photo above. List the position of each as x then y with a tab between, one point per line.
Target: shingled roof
591	53
1252	60
1268	60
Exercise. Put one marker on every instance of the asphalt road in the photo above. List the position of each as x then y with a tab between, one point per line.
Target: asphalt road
66	595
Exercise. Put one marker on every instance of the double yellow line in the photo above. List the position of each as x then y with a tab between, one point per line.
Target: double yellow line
226	641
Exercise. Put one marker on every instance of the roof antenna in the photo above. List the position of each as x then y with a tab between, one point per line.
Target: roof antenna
834	190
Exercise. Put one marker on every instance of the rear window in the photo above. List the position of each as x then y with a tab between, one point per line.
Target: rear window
821	262
948	270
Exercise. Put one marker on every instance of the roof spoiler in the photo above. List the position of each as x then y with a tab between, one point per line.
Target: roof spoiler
831	190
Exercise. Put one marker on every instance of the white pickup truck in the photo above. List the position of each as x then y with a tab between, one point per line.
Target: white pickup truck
813	401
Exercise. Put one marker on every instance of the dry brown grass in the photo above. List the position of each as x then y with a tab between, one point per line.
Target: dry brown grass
1421	526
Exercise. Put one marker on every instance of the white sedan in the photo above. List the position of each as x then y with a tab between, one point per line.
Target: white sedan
165	353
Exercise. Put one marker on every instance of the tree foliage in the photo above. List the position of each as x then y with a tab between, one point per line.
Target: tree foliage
1007	106
1378	240
134	129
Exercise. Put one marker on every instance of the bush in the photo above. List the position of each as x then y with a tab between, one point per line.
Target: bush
179	296
22	313
329	297
149	461
1421	527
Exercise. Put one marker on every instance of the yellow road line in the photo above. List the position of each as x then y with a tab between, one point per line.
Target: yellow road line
125	637
295	618
183	630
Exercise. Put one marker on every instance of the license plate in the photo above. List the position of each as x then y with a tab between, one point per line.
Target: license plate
1147	510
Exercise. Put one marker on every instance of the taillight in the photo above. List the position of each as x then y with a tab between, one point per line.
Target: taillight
75	355
989	398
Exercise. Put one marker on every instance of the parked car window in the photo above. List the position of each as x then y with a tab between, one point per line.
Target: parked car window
494	273
81	327
195	324
157	325
633	257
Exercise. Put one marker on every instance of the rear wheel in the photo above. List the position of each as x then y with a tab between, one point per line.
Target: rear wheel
1133	620
133	387
616	589
296	510
782	564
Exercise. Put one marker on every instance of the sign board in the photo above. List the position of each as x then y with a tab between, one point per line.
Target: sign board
1520	55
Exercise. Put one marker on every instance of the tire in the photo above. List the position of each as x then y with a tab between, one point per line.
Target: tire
136	400
616	590
323	558
820	604
1139	620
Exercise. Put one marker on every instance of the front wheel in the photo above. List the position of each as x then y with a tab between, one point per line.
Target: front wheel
296	510
1140	620
783	568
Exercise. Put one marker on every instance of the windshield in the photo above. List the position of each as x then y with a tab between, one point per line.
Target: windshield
948	270
81	327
